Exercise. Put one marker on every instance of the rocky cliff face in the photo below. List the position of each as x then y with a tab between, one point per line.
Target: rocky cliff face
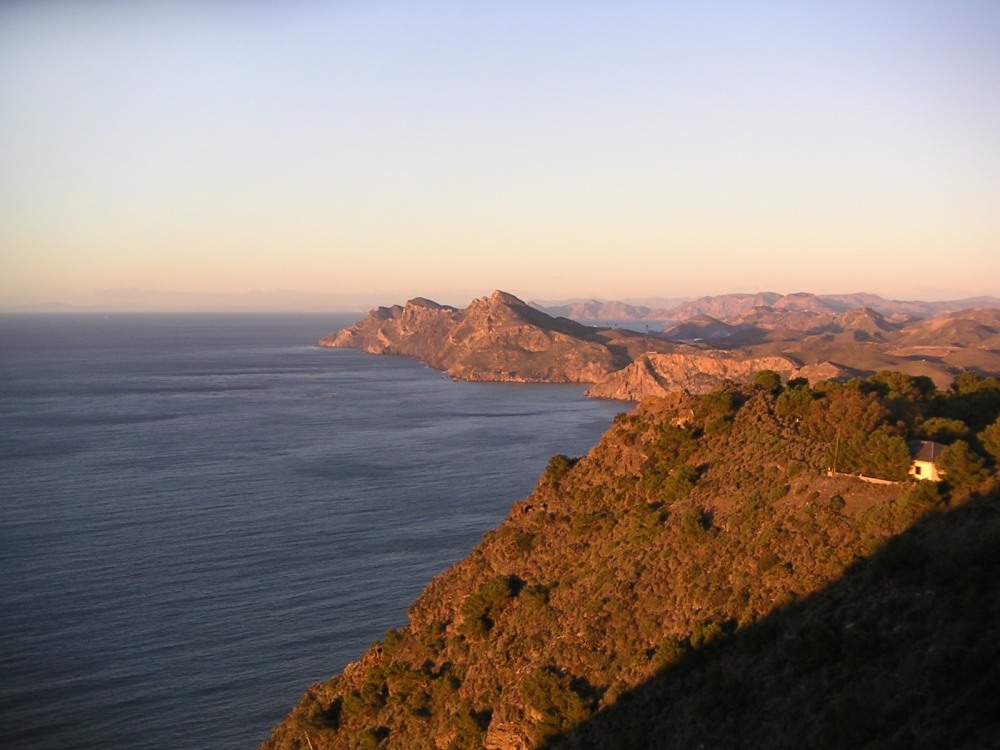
496	338
657	374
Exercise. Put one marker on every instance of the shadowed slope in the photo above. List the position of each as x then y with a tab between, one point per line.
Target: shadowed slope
904	651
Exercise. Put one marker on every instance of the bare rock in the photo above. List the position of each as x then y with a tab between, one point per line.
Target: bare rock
657	374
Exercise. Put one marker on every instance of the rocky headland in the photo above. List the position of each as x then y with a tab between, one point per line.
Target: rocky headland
501	338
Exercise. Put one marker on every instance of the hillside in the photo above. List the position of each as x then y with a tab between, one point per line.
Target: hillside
698	580
498	338
654	374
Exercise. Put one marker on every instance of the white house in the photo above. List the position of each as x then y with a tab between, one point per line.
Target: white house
924	455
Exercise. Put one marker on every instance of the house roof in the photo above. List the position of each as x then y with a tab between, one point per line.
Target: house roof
925	450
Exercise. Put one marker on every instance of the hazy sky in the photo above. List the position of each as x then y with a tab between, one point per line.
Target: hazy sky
335	155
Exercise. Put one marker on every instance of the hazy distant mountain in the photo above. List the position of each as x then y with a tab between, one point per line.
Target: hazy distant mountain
700	328
729	307
963	328
604	310
597	309
723	307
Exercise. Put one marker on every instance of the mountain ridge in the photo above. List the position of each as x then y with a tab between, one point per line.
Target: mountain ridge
728	306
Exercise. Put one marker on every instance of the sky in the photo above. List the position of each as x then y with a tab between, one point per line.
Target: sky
210	155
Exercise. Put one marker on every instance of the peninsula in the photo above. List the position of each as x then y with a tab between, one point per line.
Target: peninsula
503	339
499	338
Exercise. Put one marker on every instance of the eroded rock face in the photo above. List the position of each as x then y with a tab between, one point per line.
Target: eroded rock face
656	374
497	338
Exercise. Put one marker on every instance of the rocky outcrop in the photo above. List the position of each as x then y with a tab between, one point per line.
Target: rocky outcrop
497	338
656	374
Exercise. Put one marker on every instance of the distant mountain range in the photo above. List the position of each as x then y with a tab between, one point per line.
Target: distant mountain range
728	306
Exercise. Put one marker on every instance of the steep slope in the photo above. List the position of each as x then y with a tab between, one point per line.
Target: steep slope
902	652
979	328
657	374
497	338
693	525
865	323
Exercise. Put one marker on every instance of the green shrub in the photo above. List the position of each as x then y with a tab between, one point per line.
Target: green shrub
961	465
670	651
391	642
794	401
551	694
721	403
883	455
942	430
680	482
694	522
990	440
924	496
703	633
558	467
374	738
479	608
767	380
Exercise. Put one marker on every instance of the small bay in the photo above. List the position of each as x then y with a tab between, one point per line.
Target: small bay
201	515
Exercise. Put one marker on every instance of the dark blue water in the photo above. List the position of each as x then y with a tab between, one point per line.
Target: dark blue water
202	515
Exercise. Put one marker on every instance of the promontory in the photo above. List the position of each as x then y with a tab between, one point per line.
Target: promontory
500	338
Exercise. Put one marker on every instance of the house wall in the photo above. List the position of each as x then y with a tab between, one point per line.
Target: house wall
924	470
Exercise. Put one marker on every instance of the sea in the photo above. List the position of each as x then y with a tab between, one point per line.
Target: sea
202	515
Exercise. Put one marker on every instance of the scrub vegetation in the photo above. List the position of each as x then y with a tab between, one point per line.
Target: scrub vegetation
701	579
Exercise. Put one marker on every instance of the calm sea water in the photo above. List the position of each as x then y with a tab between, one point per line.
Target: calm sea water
200	516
